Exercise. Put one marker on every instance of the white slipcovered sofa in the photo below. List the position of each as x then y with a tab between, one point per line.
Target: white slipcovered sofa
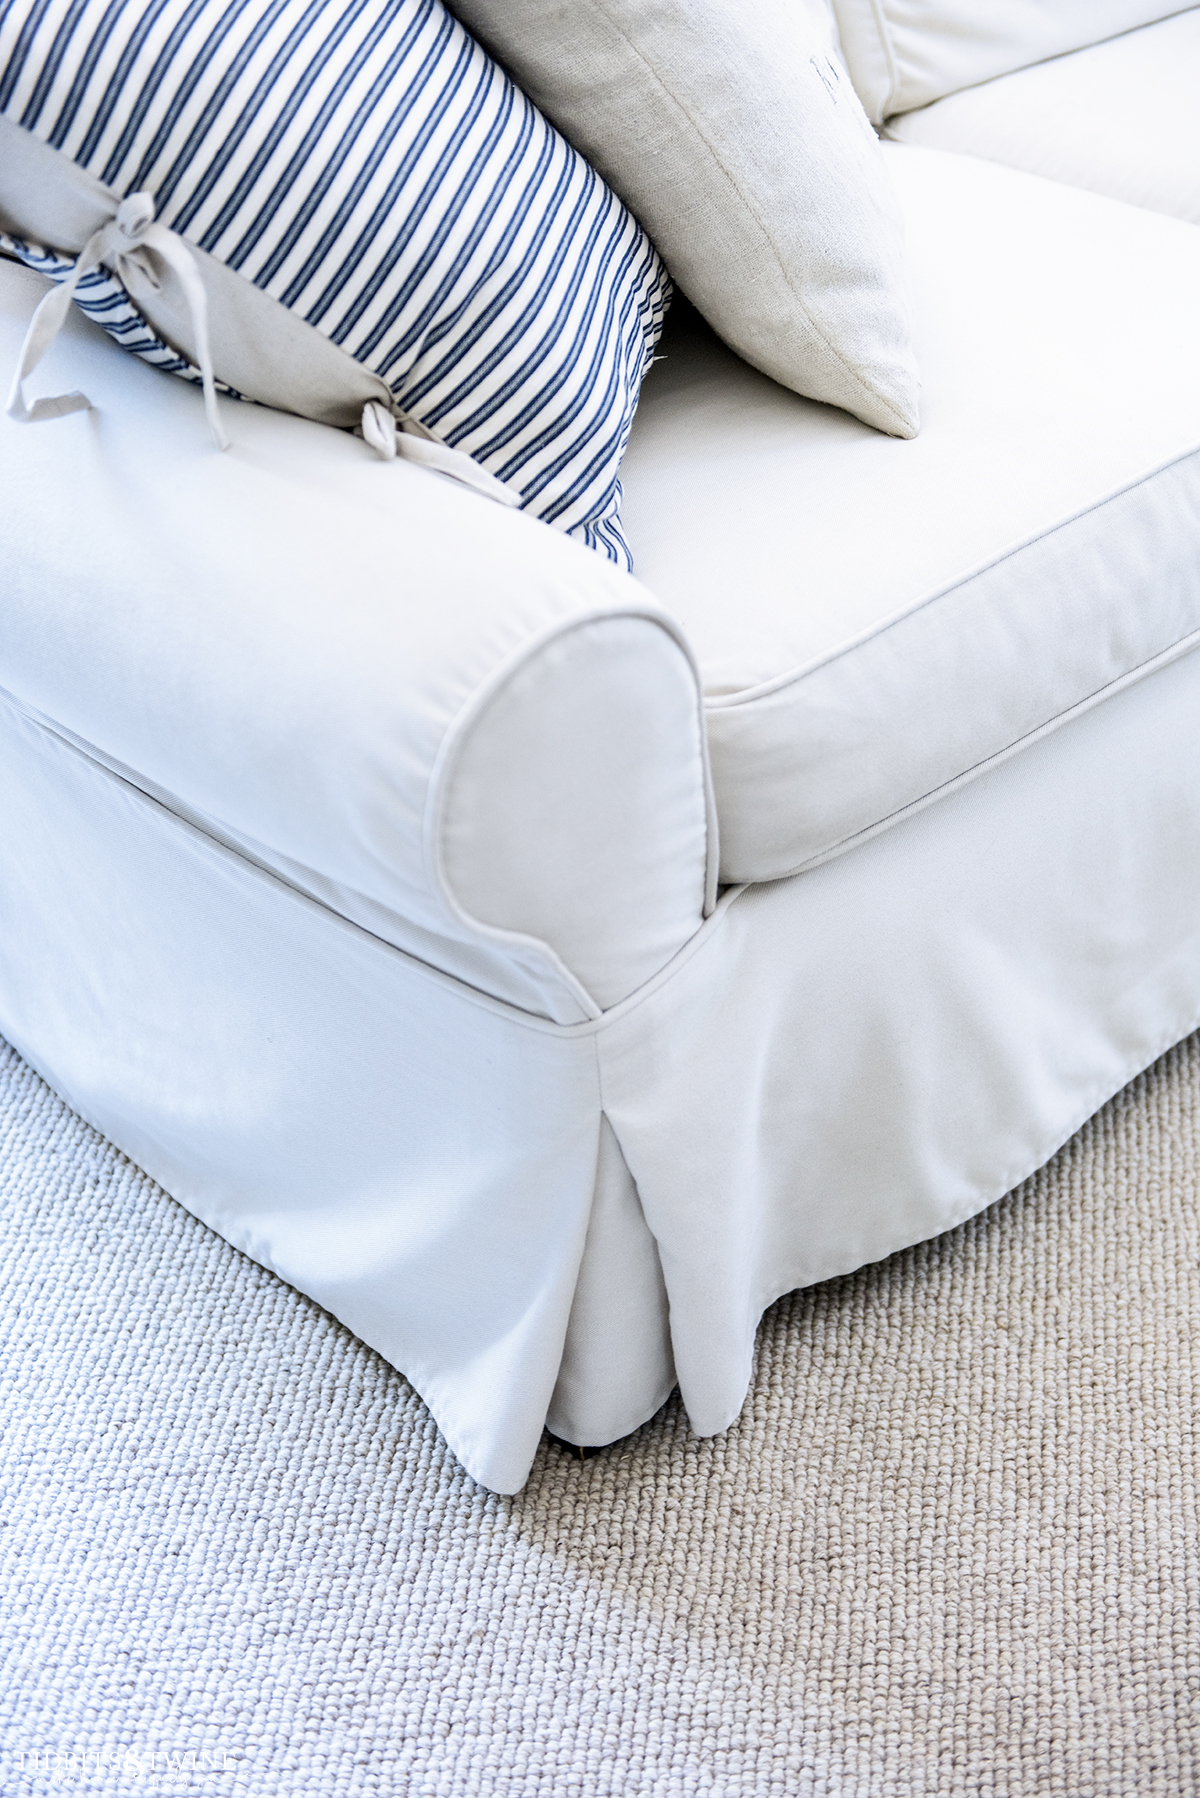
546	968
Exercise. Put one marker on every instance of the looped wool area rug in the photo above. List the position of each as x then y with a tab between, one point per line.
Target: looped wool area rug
950	1548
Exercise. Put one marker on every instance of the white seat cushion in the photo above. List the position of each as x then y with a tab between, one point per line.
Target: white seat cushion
1119	118
877	619
905	53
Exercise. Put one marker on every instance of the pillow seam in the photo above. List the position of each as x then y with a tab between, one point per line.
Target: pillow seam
753	211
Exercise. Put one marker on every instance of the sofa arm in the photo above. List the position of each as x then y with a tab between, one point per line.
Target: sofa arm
572	806
445	711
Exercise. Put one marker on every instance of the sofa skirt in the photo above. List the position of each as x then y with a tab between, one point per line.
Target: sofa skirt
541	1222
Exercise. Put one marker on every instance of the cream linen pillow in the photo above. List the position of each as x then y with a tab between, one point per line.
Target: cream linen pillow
732	133
906	53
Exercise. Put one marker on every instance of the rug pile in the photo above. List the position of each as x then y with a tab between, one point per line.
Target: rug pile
950	1550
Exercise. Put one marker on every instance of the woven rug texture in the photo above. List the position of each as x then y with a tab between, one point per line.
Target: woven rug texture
950	1549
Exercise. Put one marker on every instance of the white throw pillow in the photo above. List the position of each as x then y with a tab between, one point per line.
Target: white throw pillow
734	136
905	53
383	227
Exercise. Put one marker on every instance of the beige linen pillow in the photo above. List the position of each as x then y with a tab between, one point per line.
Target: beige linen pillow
906	53
732	133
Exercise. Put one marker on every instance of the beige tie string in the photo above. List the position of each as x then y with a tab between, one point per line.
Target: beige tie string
123	240
390	437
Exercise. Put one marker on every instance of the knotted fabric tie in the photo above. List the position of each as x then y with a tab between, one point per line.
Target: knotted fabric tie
124	239
379	428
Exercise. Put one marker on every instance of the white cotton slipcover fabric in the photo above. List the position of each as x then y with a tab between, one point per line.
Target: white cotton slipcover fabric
342	666
836	1066
876	619
734	136
827	1068
1119	118
905	53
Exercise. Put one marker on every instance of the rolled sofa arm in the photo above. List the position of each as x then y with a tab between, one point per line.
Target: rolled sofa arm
572	804
434	714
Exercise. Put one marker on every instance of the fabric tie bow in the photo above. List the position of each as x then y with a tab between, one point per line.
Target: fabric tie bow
123	241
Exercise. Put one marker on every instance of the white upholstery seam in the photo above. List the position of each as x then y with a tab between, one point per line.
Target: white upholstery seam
1131	678
780	682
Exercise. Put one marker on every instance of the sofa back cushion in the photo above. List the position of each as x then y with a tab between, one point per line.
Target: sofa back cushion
905	53
733	134
368	170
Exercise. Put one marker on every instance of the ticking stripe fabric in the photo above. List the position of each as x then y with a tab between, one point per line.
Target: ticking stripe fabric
104	299
368	166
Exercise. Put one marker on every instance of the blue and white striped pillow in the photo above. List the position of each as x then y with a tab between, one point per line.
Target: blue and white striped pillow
367	165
